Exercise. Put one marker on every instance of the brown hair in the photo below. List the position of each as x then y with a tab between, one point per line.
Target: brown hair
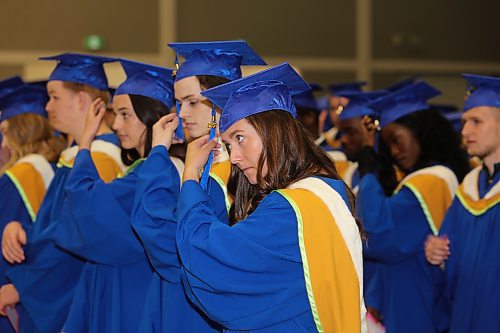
290	154
93	92
30	133
210	81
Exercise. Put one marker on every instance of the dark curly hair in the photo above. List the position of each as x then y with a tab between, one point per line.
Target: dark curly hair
439	144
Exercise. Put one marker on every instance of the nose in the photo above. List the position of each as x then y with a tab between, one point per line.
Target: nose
49	106
116	124
465	129
343	139
394	150
234	156
183	111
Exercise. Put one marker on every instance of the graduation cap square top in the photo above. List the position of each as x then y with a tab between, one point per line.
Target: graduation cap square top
339	89
25	99
147	80
222	58
358	104
80	68
407	100
482	91
403	83
306	99
271	89
10	84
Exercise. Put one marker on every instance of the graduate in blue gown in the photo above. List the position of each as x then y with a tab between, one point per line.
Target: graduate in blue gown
45	281
111	293
263	274
328	121
399	215
468	246
350	123
206	64
33	152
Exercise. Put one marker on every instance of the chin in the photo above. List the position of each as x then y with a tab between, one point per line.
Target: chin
126	146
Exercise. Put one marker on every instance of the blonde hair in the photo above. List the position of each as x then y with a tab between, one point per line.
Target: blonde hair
30	133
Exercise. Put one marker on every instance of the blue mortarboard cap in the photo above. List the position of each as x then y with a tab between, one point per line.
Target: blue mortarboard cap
80	68
147	80
444	109
402	83
482	91
271	89
409	99
222	59
339	89
10	84
451	113
323	103
306	99
25	99
358	104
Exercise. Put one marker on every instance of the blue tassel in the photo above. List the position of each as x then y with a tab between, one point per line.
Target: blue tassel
179	134
206	169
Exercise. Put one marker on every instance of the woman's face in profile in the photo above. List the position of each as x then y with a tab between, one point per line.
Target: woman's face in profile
245	147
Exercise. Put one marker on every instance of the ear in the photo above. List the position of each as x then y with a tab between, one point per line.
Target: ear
84	101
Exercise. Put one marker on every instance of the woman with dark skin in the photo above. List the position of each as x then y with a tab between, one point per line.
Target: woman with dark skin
399	214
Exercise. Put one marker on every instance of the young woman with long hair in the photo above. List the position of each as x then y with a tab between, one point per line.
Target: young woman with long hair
292	261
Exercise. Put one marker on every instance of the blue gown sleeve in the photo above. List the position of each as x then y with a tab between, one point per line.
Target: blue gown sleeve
13	207
45	282
246	276
396	226
218	199
99	229
153	215
446	280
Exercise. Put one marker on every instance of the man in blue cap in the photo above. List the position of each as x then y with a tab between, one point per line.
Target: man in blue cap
308	109
48	275
468	246
352	120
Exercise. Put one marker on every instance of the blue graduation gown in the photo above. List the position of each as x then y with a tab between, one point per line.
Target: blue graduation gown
397	229
471	291
46	280
248	277
112	288
153	218
12	209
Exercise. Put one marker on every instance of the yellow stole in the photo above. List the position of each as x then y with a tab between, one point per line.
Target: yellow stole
220	171
106	157
346	170
31	175
468	194
330	247
434	188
